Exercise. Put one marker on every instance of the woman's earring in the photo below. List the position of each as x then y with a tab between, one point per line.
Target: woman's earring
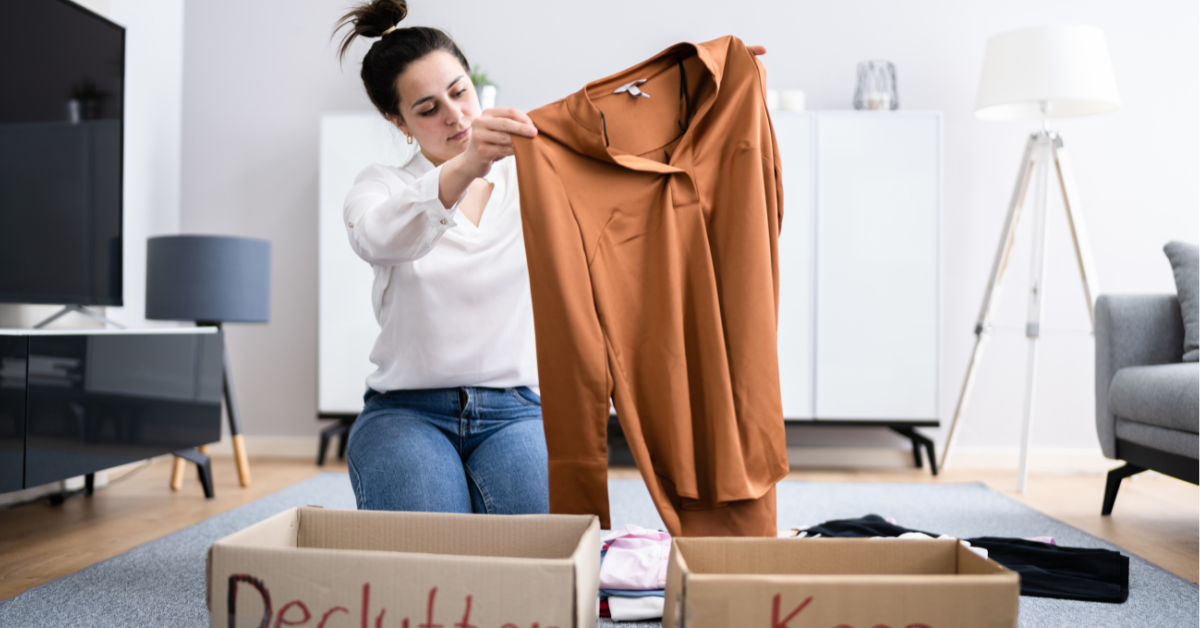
409	141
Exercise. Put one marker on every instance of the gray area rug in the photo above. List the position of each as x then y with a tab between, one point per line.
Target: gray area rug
162	583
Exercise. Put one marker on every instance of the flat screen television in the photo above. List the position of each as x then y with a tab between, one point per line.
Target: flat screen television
62	93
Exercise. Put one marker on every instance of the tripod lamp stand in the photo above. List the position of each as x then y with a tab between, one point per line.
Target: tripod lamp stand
211	280
1030	74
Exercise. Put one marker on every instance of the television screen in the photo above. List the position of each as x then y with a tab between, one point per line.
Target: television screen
62	71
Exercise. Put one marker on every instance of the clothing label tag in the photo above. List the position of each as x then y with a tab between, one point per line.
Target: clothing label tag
631	88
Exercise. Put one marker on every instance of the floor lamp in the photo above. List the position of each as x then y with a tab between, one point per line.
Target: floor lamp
1029	74
211	280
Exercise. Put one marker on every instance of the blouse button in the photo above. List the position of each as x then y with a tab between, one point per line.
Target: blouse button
351	224
443	221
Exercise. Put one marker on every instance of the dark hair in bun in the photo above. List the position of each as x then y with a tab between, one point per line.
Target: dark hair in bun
389	57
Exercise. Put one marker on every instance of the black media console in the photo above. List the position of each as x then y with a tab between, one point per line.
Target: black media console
73	402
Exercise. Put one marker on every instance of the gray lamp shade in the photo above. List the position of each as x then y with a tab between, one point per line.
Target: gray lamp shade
208	278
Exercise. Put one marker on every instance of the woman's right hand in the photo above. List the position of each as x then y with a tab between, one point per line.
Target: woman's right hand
491	138
491	141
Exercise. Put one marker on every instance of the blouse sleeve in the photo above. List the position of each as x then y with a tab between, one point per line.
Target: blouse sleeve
387	228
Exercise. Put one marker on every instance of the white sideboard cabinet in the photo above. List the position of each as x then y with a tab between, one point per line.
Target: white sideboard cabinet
858	254
860	266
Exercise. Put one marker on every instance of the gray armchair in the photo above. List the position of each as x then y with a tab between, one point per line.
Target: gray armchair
1147	398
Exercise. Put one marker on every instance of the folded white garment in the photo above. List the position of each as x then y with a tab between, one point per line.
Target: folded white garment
635	608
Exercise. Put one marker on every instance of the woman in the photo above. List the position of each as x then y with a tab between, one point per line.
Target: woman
452	420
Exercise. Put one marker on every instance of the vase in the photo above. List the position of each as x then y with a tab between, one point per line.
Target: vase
487	96
876	87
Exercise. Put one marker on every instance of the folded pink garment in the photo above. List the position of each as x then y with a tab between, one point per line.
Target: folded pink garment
1042	539
636	559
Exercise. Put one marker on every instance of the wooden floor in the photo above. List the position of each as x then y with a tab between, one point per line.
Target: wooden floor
1156	517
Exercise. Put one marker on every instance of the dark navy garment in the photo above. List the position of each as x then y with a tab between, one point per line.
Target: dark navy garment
1065	573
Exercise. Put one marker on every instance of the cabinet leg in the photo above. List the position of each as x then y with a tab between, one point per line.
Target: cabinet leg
203	467
933	466
340	430
345	436
89	484
322	448
918	441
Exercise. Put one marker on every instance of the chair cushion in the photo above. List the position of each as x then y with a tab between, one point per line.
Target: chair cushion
1185	263
1164	395
1162	439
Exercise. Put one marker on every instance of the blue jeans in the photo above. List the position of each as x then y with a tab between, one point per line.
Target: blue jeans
465	450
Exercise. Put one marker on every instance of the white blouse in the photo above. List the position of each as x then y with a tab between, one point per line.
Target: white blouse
452	299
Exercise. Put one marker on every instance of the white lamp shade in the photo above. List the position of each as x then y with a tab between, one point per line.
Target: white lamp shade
1065	67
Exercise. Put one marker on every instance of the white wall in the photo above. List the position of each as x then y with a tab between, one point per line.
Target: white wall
153	133
257	75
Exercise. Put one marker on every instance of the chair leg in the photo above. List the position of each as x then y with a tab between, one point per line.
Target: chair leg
1114	484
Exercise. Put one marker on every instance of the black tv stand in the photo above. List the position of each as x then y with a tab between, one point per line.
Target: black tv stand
74	402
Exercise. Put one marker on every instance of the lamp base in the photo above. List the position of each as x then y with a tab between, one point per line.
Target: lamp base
235	423
1041	150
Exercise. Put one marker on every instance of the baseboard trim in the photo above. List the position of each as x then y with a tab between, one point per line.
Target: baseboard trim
964	458
850	457
35	493
1089	460
273	447
799	457
1068	460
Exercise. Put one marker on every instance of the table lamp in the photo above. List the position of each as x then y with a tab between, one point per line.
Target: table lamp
1029	74
210	280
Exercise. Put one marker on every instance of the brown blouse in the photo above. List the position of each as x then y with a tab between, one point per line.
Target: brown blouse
651	228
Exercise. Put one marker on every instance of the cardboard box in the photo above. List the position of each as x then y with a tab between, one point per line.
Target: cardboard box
842	583
317	567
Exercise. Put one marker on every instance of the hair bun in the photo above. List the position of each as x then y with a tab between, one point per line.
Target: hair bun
369	19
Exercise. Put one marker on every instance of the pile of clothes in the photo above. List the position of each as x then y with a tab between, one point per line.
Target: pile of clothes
633	564
1047	570
633	573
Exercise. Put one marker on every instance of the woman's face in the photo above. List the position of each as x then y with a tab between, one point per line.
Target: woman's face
437	105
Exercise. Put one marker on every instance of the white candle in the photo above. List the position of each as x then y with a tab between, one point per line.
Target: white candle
878	100
792	100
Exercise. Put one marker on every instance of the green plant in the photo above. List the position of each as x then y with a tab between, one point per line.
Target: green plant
85	89
479	78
